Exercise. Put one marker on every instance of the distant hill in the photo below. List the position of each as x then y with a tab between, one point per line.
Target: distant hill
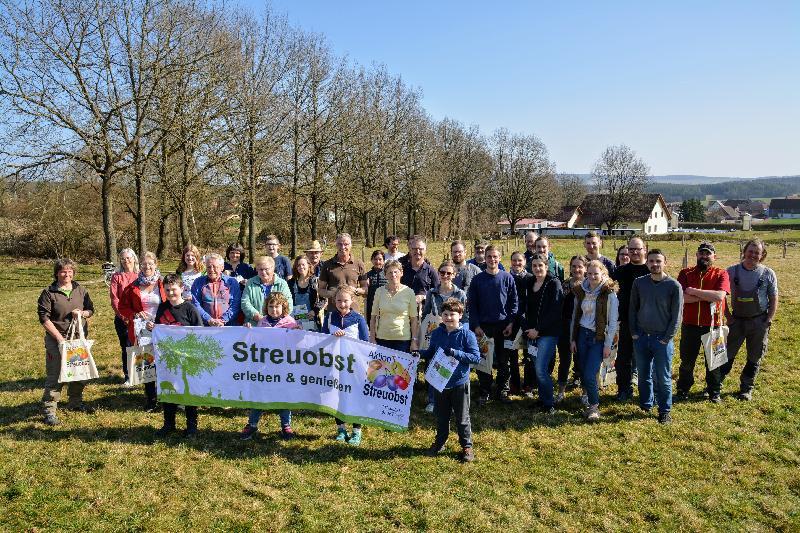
773	187
679	187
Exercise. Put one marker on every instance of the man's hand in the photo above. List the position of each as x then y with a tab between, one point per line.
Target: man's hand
606	351
215	322
532	334
573	347
508	329
479	332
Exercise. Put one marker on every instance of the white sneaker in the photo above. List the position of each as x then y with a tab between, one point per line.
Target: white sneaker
429	408
127	384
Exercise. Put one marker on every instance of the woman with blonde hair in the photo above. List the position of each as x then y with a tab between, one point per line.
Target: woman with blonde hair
126	274
189	269
594	324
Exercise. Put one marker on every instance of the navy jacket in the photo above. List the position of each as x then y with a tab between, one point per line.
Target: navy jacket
492	299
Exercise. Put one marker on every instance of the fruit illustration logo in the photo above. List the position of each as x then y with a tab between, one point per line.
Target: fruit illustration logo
392	375
144	358
77	354
483	346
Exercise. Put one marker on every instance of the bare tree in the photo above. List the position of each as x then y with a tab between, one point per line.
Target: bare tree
573	189
523	177
620	178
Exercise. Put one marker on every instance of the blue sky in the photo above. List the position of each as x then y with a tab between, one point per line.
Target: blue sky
709	88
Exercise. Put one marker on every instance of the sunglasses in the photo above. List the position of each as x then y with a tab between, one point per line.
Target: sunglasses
446	273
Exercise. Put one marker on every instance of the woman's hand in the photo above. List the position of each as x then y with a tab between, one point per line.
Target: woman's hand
248	325
606	351
338	333
257	317
372	338
414	345
573	347
532	334
149	326
143	315
83	314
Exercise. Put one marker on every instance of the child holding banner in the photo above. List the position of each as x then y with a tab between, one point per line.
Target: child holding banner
276	315
177	312
344	322
457	341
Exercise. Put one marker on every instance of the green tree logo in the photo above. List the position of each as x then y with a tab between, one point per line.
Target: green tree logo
192	354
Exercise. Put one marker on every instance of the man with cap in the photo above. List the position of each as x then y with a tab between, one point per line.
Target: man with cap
314	255
705	288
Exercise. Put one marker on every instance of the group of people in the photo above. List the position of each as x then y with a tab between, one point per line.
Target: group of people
535	306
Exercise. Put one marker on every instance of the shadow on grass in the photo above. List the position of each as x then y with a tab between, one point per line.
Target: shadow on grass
222	444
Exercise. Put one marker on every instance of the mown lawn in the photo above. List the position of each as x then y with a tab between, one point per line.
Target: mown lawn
732	466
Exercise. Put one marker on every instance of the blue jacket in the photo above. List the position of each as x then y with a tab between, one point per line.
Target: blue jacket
460	344
335	318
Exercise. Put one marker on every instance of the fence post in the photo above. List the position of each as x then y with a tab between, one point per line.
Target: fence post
685	257
784	249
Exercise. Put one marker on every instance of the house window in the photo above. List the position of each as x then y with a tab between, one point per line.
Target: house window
648	228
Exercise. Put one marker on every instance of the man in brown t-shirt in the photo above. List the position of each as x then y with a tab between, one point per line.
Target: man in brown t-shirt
342	269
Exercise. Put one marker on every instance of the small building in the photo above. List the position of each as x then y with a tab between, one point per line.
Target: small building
523	225
784	208
718	212
652	216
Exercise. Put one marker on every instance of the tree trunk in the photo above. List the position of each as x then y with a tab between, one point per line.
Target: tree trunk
294	224
251	223
108	215
183	225
141	226
240	238
162	234
365	223
408	222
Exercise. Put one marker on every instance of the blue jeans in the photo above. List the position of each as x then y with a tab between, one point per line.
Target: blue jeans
544	356
590	355
255	416
654	357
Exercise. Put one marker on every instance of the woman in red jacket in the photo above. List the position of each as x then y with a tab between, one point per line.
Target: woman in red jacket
127	273
140	300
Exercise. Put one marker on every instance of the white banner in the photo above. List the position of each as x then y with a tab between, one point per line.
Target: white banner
272	368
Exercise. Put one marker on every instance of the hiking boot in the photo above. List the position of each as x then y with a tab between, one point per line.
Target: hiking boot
287	433
436	449
50	419
467	455
81	408
664	419
745	396
165	431
355	438
341	435
248	432
593	413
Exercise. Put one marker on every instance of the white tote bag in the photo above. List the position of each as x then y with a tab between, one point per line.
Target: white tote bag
141	364
715	342
486	347
77	363
428	324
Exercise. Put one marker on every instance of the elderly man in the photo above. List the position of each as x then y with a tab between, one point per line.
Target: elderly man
754	302
283	267
215	295
342	269
705	288
314	255
417	272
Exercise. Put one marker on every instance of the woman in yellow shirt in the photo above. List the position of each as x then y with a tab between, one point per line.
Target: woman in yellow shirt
394	320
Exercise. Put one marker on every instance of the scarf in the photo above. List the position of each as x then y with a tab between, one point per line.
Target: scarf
148	280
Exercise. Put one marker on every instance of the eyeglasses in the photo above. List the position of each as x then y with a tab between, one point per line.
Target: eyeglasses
446	273
634	249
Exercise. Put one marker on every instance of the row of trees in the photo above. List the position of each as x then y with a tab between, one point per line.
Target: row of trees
183	120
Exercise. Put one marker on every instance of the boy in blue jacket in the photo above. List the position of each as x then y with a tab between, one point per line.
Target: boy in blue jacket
457	341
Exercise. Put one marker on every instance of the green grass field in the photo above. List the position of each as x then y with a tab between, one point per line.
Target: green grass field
725	467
